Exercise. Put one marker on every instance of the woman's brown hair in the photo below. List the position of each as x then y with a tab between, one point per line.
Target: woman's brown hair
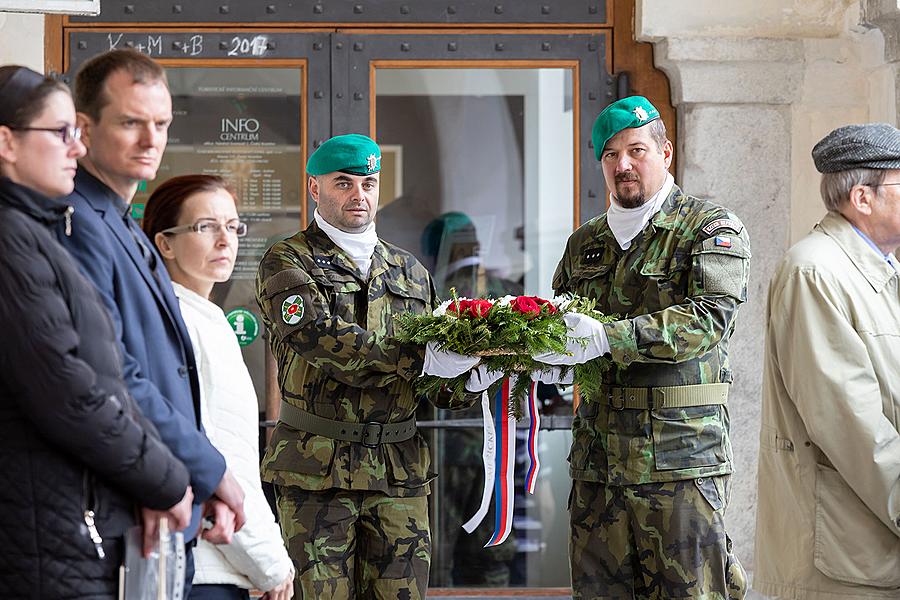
164	205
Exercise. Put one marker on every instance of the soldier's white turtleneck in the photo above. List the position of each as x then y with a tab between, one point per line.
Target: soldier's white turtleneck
358	246
626	223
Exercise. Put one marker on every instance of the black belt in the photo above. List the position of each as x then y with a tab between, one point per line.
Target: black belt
369	434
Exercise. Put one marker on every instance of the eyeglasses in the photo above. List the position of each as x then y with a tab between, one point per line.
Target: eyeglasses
67	133
884	184
210	227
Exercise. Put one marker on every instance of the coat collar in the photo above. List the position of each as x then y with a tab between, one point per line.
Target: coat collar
873	267
98	194
34	204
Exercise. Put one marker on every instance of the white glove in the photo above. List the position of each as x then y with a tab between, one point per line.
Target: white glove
589	343
445	363
482	378
553	375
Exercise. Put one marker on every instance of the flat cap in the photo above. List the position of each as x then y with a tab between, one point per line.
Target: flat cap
351	153
870	146
633	111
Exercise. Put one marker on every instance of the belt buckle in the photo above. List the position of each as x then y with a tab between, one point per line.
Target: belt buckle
369	431
612	397
651	405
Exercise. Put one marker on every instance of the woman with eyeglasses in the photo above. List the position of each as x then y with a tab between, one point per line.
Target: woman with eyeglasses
194	223
76	455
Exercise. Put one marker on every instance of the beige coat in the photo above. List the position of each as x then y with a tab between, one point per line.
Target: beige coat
828	521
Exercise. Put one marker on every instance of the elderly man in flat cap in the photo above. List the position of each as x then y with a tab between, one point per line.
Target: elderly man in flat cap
651	461
828	520
350	470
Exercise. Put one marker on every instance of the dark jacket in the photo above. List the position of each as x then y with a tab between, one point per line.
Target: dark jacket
158	357
71	438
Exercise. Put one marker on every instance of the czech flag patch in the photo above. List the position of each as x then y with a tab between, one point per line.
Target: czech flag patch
723	242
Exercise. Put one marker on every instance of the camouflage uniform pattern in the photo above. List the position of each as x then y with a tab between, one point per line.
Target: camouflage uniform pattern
389	559
658	540
678	287
331	332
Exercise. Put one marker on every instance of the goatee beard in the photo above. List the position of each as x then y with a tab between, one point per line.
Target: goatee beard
634	201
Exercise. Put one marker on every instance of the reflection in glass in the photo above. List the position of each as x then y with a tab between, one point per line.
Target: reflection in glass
477	181
245	125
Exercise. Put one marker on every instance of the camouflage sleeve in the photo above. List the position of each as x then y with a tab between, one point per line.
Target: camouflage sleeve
298	314
562	274
717	285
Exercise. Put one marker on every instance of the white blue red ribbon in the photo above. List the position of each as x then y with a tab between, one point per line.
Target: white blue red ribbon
534	426
499	454
505	461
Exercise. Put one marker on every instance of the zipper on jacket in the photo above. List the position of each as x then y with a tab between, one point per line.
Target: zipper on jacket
69	210
89	515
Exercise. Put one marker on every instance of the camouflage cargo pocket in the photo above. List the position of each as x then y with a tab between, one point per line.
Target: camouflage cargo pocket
299	452
409	463
685	438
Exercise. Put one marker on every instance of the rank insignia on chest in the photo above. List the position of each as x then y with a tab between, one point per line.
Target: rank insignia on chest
592	255
723	241
323	261
292	309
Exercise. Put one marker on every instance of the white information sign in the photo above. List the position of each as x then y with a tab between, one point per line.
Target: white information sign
68	7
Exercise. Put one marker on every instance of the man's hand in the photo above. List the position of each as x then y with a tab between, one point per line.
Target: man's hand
586	341
284	590
223	520
230	492
179	517
445	363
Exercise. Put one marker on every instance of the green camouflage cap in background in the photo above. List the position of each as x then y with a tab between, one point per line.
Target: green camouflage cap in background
633	111
351	153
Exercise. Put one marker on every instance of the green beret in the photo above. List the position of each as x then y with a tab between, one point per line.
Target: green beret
633	111
352	153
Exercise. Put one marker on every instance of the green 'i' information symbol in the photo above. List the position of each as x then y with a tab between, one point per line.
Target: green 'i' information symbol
244	324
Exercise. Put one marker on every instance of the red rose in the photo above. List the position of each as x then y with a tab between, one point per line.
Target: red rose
544	302
479	308
526	305
461	305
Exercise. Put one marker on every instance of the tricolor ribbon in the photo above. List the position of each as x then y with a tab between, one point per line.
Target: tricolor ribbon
499	455
534	425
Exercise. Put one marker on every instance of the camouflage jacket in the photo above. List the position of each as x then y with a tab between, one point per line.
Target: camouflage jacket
331	332
678	288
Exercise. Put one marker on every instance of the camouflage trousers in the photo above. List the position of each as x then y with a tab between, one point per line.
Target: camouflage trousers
356	544
654	540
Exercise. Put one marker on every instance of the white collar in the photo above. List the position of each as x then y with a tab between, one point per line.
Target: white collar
195	300
626	223
358	246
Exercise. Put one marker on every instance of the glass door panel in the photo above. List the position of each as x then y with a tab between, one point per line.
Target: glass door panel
478	182
246	126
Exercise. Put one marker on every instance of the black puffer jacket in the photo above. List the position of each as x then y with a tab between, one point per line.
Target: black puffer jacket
71	438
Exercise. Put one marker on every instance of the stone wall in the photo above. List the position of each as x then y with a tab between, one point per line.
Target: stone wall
755	85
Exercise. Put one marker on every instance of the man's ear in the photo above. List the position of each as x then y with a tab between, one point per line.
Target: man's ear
861	198
668	153
85	123
162	244
313	186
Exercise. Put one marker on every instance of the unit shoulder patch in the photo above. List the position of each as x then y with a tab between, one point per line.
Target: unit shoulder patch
292	309
717	224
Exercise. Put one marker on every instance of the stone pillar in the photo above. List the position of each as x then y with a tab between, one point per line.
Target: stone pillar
23	40
733	98
885	15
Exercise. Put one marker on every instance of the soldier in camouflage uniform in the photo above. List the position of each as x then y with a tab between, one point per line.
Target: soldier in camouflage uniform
650	462
350	470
